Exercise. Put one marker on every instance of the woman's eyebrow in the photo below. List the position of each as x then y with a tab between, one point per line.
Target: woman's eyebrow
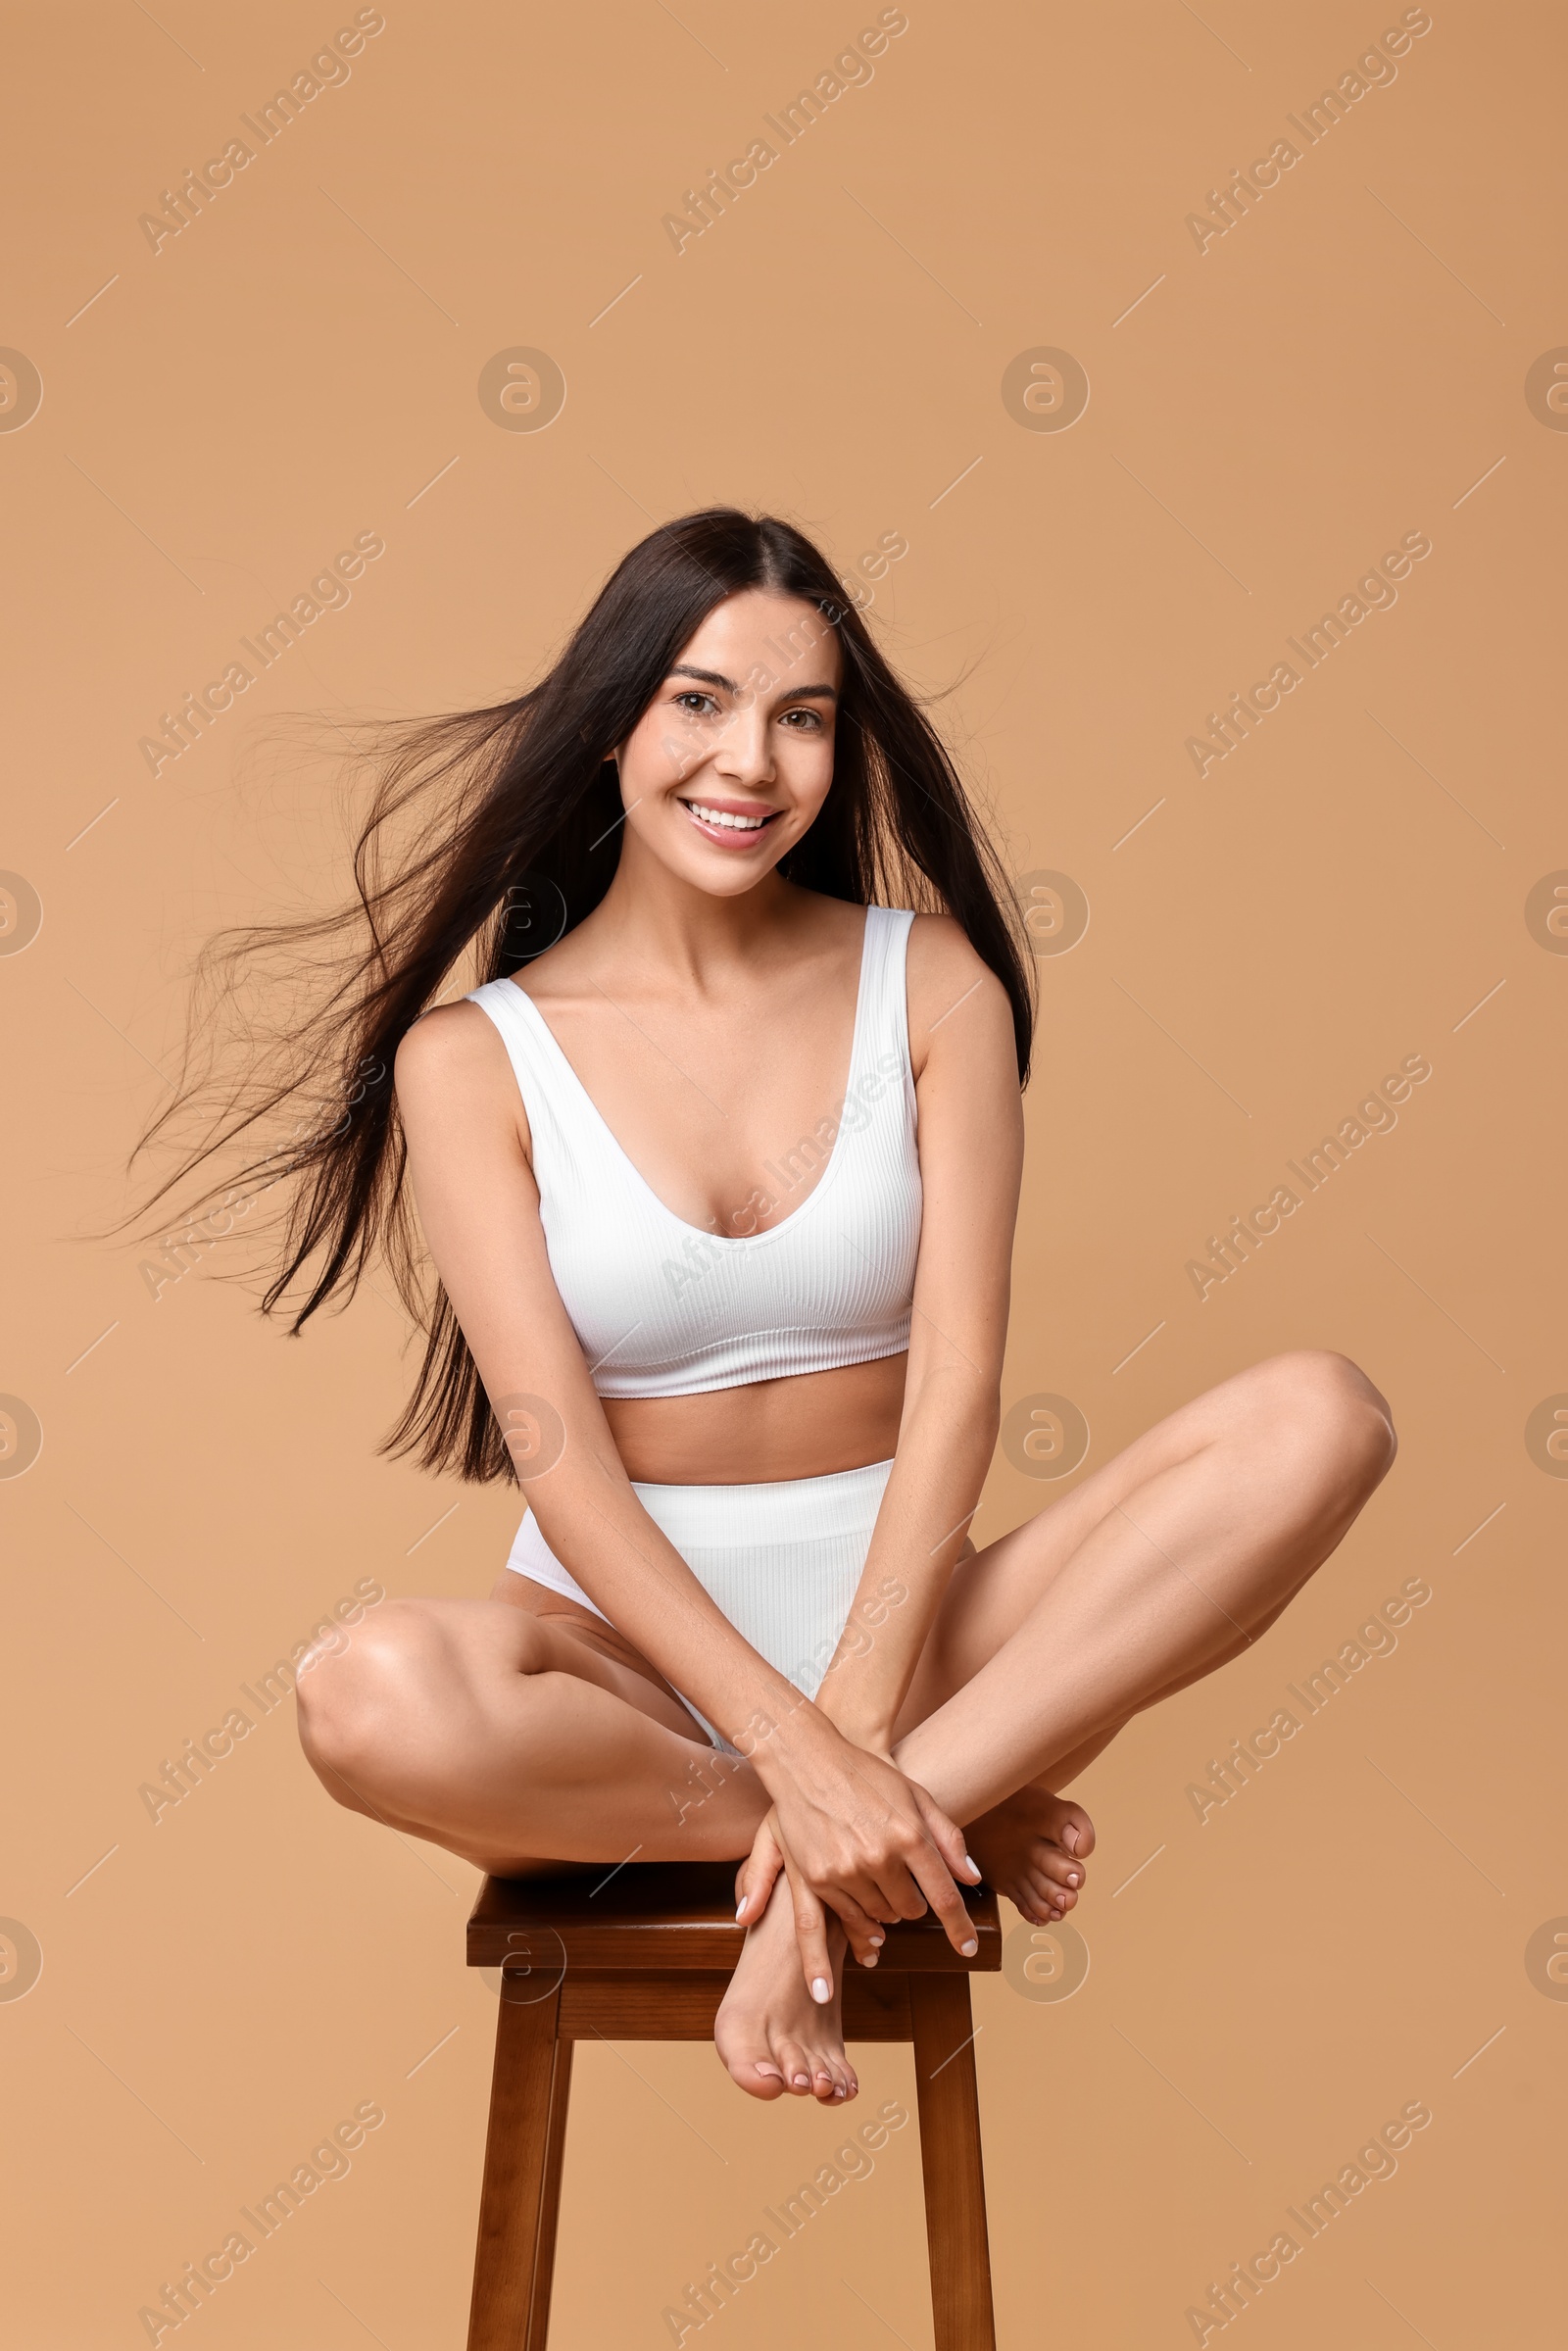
715	677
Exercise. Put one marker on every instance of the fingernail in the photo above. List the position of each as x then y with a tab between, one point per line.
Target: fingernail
878	1940
971	1864
822	1990
971	1947
741	1912
871	1959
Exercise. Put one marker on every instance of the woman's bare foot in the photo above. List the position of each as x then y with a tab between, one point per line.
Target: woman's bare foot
1032	1849
770	2032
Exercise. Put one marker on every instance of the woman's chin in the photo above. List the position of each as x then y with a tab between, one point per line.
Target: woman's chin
715	868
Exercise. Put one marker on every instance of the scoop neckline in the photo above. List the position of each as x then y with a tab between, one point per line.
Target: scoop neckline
733	1241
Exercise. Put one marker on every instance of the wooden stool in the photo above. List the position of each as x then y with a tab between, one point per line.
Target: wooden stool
648	1957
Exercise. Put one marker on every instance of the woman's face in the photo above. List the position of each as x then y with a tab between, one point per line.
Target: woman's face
732	760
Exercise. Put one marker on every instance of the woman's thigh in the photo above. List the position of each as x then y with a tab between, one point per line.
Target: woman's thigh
584	1645
432	1688
1287	1405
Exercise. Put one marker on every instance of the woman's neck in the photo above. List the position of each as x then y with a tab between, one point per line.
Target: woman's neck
652	917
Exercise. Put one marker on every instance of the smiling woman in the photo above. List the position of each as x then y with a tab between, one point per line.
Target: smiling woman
752	1441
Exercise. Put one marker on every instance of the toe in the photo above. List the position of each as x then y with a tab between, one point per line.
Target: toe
1075	1830
1045	1901
794	2065
758	2077
835	2071
1050	1861
742	2045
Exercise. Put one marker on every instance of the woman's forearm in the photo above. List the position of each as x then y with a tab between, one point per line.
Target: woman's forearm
945	1441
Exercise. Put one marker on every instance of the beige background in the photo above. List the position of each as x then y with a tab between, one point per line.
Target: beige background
300	364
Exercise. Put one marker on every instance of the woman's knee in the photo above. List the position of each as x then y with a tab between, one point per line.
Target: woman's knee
383	1709
357	1694
1317	1406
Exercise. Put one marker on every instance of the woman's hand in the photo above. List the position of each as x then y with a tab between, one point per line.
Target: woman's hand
857	1838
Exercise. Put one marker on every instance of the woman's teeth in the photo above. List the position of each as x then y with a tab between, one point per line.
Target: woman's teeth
721	816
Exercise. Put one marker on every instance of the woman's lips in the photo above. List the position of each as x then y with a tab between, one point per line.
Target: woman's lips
708	820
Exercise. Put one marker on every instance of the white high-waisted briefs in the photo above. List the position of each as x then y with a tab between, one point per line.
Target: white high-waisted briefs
782	1560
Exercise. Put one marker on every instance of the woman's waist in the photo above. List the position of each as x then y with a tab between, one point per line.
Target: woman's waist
798	1515
810	1425
758	1513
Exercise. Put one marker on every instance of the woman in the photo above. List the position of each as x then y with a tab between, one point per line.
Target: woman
720	1189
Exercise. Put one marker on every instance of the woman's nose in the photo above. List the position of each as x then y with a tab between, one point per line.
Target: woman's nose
743	750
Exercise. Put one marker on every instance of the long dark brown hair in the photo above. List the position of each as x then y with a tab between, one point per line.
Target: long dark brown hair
488	834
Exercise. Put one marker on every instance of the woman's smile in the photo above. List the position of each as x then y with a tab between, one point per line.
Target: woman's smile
730	823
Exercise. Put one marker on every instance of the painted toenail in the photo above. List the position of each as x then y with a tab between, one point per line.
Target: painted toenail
878	1940
870	1959
803	2081
822	1990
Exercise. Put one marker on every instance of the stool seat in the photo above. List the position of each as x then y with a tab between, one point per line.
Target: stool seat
646	1953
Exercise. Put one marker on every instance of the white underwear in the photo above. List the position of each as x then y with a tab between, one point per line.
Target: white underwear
782	1560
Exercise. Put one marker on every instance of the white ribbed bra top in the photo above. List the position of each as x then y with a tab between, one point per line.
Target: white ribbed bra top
663	1309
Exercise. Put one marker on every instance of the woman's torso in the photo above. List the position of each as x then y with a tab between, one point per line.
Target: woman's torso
702	1176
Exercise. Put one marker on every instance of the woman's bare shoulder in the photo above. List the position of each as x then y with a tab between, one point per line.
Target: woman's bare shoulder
944	972
453	1060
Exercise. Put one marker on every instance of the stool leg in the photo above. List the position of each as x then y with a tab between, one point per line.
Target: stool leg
544	2259
950	2157
521	2197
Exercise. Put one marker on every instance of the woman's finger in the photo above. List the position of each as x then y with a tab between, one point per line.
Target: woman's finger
879	1879
935	1881
754	1878
894	1893
866	1935
811	1933
947	1836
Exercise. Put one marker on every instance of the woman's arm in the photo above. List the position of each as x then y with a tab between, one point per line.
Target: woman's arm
468	1155
850	1819
971	1163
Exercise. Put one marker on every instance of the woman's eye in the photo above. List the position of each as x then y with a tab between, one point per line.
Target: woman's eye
695	703
813	721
